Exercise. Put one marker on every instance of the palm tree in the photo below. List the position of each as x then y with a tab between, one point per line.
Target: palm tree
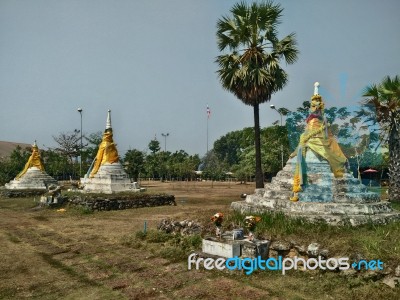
384	100
251	69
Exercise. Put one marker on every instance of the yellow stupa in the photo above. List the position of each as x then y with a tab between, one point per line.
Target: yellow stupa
33	176
107	175
33	161
107	152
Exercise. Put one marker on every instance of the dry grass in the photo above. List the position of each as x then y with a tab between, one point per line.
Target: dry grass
47	254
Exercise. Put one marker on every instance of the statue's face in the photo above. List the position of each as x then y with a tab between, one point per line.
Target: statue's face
315	105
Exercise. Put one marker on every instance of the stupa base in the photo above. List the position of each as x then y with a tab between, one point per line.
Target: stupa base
33	180
336	214
110	179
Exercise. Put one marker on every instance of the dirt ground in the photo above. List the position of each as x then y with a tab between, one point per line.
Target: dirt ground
50	254
46	254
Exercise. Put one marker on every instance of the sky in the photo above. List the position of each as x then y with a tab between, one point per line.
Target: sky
152	62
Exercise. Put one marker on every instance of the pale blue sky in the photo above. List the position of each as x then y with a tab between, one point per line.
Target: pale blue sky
152	63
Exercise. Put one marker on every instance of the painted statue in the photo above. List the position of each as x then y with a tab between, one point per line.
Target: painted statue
320	140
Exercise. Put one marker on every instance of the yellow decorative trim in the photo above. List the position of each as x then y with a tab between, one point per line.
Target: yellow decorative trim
296	182
338	173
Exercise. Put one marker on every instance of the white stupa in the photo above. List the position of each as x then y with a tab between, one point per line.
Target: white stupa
106	174
33	176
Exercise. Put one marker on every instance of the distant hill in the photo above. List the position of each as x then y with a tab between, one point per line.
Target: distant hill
7	147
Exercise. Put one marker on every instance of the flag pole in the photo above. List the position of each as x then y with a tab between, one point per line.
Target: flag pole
207	134
208	117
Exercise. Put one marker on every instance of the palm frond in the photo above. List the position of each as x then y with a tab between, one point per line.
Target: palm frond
252	71
287	48
382	105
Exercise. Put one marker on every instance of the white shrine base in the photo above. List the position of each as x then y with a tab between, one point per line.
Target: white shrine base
110	178
33	179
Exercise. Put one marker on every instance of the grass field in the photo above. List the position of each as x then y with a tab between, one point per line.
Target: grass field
76	254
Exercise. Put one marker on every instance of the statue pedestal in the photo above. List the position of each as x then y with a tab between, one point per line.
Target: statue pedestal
221	248
109	179
241	248
337	201
33	179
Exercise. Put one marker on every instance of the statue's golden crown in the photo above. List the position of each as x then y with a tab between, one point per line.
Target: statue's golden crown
317	102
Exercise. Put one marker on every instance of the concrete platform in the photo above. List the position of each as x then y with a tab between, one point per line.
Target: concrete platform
225	249
240	248
338	219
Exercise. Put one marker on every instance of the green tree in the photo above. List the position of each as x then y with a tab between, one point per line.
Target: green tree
11	166
93	142
154	146
244	170
18	159
274	142
190	164
229	147
4	171
134	162
251	69
56	164
163	167
151	166
153	160
236	149
214	168
176	163
382	104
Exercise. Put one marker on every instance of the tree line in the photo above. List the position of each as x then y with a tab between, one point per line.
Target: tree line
232	155
63	161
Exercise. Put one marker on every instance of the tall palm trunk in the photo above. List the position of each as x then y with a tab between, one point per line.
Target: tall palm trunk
394	164
257	139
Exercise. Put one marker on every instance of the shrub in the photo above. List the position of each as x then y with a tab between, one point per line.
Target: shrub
155	236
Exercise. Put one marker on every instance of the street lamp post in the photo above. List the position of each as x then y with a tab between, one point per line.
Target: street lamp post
165	140
273	107
80	165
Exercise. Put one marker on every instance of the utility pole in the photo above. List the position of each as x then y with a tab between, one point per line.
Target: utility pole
80	165
273	107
